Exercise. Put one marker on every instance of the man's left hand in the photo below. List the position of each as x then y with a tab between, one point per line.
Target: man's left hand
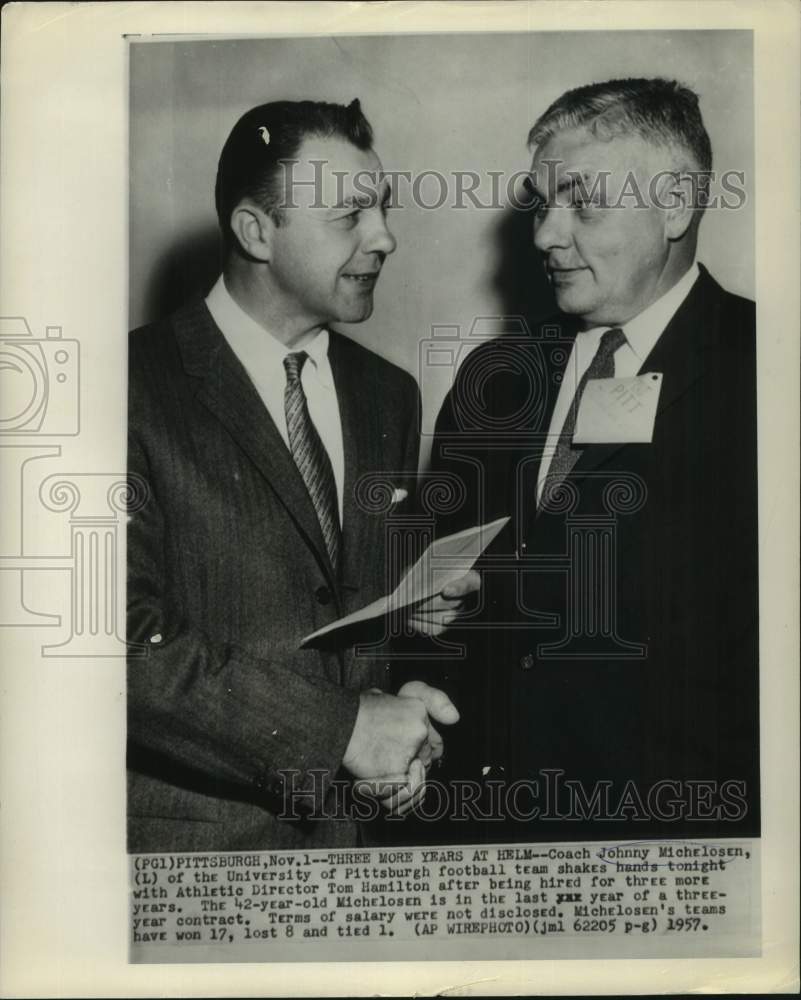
443	610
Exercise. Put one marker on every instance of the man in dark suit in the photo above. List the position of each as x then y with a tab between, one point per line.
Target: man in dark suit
613	663
251	426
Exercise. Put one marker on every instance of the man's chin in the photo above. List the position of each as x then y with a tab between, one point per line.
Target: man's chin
570	303
356	314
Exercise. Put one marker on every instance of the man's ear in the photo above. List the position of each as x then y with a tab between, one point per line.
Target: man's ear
677	200
254	229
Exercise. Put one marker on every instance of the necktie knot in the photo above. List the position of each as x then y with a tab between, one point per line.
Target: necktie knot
293	365
610	341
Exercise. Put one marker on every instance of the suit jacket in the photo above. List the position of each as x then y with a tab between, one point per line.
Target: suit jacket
658	680
227	571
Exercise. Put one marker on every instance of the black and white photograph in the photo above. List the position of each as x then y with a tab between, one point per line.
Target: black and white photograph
592	675
433	549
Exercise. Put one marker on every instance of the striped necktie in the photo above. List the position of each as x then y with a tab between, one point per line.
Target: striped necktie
601	366
311	457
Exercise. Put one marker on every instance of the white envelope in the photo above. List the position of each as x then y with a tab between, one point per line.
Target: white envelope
444	561
618	410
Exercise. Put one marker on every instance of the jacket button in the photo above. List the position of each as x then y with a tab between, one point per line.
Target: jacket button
323	595
527	661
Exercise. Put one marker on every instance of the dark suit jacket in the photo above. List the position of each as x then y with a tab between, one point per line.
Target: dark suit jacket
684	545
227	571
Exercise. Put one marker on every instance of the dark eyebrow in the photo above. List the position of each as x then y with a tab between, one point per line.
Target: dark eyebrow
570	182
365	199
354	201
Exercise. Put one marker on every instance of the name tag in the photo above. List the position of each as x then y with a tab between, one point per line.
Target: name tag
618	410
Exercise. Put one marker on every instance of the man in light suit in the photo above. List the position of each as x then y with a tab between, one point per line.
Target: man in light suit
615	672
251	424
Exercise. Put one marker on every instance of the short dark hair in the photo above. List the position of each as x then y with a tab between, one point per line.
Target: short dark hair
662	112
269	133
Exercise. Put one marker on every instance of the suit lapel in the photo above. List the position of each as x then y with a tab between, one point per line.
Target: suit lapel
225	389
683	351
680	354
556	357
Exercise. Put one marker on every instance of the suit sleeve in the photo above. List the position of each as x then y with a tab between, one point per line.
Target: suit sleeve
209	706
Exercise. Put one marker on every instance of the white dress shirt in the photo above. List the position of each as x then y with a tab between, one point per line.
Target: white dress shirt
642	333
262	356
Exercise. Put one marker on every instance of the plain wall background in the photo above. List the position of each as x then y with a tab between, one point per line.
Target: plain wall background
436	102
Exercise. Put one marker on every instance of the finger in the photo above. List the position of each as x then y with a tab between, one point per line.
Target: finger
405	798
467	584
414	800
412	803
396	805
436	743
439	603
437	703
425	628
437	616
410	689
417	774
434	624
414	780
424	752
381	788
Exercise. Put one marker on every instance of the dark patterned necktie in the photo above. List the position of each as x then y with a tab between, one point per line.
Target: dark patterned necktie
310	456
601	366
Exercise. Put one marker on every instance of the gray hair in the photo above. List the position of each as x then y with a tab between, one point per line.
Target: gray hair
662	112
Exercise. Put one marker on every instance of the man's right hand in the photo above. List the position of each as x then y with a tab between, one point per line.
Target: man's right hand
393	738
387	735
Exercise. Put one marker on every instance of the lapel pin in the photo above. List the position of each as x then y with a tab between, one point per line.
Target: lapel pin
265	135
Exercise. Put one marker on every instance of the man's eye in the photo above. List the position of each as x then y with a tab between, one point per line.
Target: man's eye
585	208
348	221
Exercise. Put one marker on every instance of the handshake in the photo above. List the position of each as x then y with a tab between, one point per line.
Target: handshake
394	742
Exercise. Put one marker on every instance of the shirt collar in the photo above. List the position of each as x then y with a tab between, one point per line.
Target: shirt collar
645	329
245	335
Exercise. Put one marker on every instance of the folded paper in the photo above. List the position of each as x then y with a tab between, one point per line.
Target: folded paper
444	561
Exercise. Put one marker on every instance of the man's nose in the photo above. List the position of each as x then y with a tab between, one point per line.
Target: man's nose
379	239
552	229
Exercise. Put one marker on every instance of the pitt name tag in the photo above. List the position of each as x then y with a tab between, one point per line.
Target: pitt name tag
618	410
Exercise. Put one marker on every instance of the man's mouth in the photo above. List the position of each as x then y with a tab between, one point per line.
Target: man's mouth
559	274
363	277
